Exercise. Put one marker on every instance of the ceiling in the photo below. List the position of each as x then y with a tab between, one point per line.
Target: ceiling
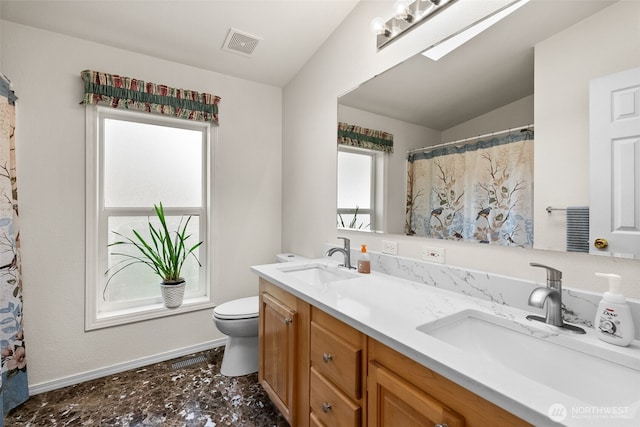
193	32
490	71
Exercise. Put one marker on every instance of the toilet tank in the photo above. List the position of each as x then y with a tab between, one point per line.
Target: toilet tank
289	257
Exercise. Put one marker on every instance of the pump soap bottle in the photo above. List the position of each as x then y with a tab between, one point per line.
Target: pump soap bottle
613	320
364	264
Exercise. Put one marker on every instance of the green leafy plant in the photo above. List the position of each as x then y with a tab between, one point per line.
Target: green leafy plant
165	252
353	223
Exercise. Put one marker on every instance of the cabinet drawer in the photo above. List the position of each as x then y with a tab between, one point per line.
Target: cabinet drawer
330	406
337	359
314	421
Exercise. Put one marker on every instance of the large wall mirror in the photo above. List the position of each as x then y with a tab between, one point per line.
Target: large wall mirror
532	69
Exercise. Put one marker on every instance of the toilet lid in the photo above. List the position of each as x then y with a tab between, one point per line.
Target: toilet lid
242	308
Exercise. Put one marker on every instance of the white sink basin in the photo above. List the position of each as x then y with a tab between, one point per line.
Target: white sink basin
588	372
318	274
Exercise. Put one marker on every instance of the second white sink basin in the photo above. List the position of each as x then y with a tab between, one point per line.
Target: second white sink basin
318	273
571	366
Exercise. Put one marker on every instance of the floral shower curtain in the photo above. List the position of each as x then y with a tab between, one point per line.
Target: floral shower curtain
480	192
13	388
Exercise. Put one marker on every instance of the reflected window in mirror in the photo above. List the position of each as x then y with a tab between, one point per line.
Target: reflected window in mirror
358	173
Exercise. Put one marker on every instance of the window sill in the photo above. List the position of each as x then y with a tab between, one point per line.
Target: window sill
138	314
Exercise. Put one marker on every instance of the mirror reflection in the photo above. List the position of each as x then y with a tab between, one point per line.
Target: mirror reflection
486	88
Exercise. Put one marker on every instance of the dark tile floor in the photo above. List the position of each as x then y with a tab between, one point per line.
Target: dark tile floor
156	395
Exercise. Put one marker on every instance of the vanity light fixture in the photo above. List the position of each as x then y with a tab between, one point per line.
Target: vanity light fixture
453	42
406	15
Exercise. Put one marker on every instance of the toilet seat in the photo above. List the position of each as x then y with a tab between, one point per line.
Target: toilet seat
243	308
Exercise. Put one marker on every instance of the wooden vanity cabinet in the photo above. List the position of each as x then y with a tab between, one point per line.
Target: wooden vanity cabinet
283	368
321	372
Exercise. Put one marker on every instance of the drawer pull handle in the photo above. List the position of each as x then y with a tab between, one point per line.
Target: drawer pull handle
326	407
288	320
327	357
440	425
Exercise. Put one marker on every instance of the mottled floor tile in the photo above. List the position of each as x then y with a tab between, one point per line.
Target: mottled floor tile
157	395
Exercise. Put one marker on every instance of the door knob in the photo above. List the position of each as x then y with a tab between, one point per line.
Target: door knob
326	407
327	357
600	243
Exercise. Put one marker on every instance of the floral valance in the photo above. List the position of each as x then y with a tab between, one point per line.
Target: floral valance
127	92
357	136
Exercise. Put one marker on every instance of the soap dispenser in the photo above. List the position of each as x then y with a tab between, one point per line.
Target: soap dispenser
364	264
613	321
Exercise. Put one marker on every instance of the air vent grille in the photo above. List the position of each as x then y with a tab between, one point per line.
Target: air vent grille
241	42
188	362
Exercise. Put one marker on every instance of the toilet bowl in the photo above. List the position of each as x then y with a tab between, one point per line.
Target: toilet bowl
238	319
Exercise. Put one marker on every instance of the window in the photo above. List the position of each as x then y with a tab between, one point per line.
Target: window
359	172
136	160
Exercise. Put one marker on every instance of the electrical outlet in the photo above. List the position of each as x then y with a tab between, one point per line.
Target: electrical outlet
432	254
389	247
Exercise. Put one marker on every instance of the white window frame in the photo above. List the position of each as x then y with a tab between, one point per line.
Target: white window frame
97	314
377	185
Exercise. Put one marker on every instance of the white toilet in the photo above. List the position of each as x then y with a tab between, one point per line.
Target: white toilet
239	320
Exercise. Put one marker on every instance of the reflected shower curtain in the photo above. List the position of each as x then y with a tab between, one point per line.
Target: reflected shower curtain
480	192
13	389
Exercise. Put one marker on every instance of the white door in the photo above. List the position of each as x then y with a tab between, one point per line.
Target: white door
614	102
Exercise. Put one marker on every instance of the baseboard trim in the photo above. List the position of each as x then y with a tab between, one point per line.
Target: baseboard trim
121	367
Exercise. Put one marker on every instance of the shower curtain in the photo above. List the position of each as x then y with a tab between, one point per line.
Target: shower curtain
480	192
13	387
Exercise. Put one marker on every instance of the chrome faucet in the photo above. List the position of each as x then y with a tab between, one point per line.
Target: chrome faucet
552	294
346	252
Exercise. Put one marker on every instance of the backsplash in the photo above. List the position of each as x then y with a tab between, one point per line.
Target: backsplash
579	307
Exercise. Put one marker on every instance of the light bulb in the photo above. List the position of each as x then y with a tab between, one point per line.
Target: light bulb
401	9
378	26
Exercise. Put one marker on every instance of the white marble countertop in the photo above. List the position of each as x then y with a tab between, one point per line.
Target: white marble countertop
389	309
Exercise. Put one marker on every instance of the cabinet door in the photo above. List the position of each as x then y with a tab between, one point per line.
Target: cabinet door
277	352
394	402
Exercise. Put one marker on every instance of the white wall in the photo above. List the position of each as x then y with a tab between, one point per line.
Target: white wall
310	111
517	113
45	69
562	108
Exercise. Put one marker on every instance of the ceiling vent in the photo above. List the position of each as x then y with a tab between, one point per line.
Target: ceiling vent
240	42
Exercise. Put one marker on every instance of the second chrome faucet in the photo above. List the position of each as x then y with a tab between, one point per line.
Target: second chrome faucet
552	295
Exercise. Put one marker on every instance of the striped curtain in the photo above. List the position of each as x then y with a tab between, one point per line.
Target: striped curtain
126	92
356	136
13	386
479	192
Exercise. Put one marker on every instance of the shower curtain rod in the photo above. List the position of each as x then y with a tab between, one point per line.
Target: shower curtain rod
520	128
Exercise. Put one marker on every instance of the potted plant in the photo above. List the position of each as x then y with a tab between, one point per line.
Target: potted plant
164	252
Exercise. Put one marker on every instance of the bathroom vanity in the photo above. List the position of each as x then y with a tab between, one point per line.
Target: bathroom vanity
317	369
342	349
